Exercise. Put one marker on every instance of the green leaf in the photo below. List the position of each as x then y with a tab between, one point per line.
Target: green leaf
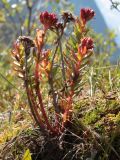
57	1
27	155
2	17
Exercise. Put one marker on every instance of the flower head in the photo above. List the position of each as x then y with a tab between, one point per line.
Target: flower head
86	14
86	45
68	17
48	19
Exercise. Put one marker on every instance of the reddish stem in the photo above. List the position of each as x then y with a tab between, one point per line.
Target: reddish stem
67	112
40	98
36	111
32	107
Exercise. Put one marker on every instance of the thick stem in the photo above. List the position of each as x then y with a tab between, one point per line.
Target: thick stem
40	97
51	82
35	110
39	123
54	95
68	112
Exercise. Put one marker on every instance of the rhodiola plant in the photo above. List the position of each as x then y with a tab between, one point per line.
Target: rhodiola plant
52	73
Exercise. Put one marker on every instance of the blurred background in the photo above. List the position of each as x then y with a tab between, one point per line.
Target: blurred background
21	17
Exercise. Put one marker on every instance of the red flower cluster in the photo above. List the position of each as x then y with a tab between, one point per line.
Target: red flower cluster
48	19
86	14
86	44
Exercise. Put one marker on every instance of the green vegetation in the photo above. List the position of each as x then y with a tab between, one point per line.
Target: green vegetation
94	128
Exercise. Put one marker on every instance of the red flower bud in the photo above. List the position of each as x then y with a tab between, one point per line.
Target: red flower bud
86	14
86	44
48	19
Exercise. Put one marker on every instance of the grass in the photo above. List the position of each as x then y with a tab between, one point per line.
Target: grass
97	109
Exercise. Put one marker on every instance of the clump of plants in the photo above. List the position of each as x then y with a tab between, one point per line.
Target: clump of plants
52	77
52	72
73	112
